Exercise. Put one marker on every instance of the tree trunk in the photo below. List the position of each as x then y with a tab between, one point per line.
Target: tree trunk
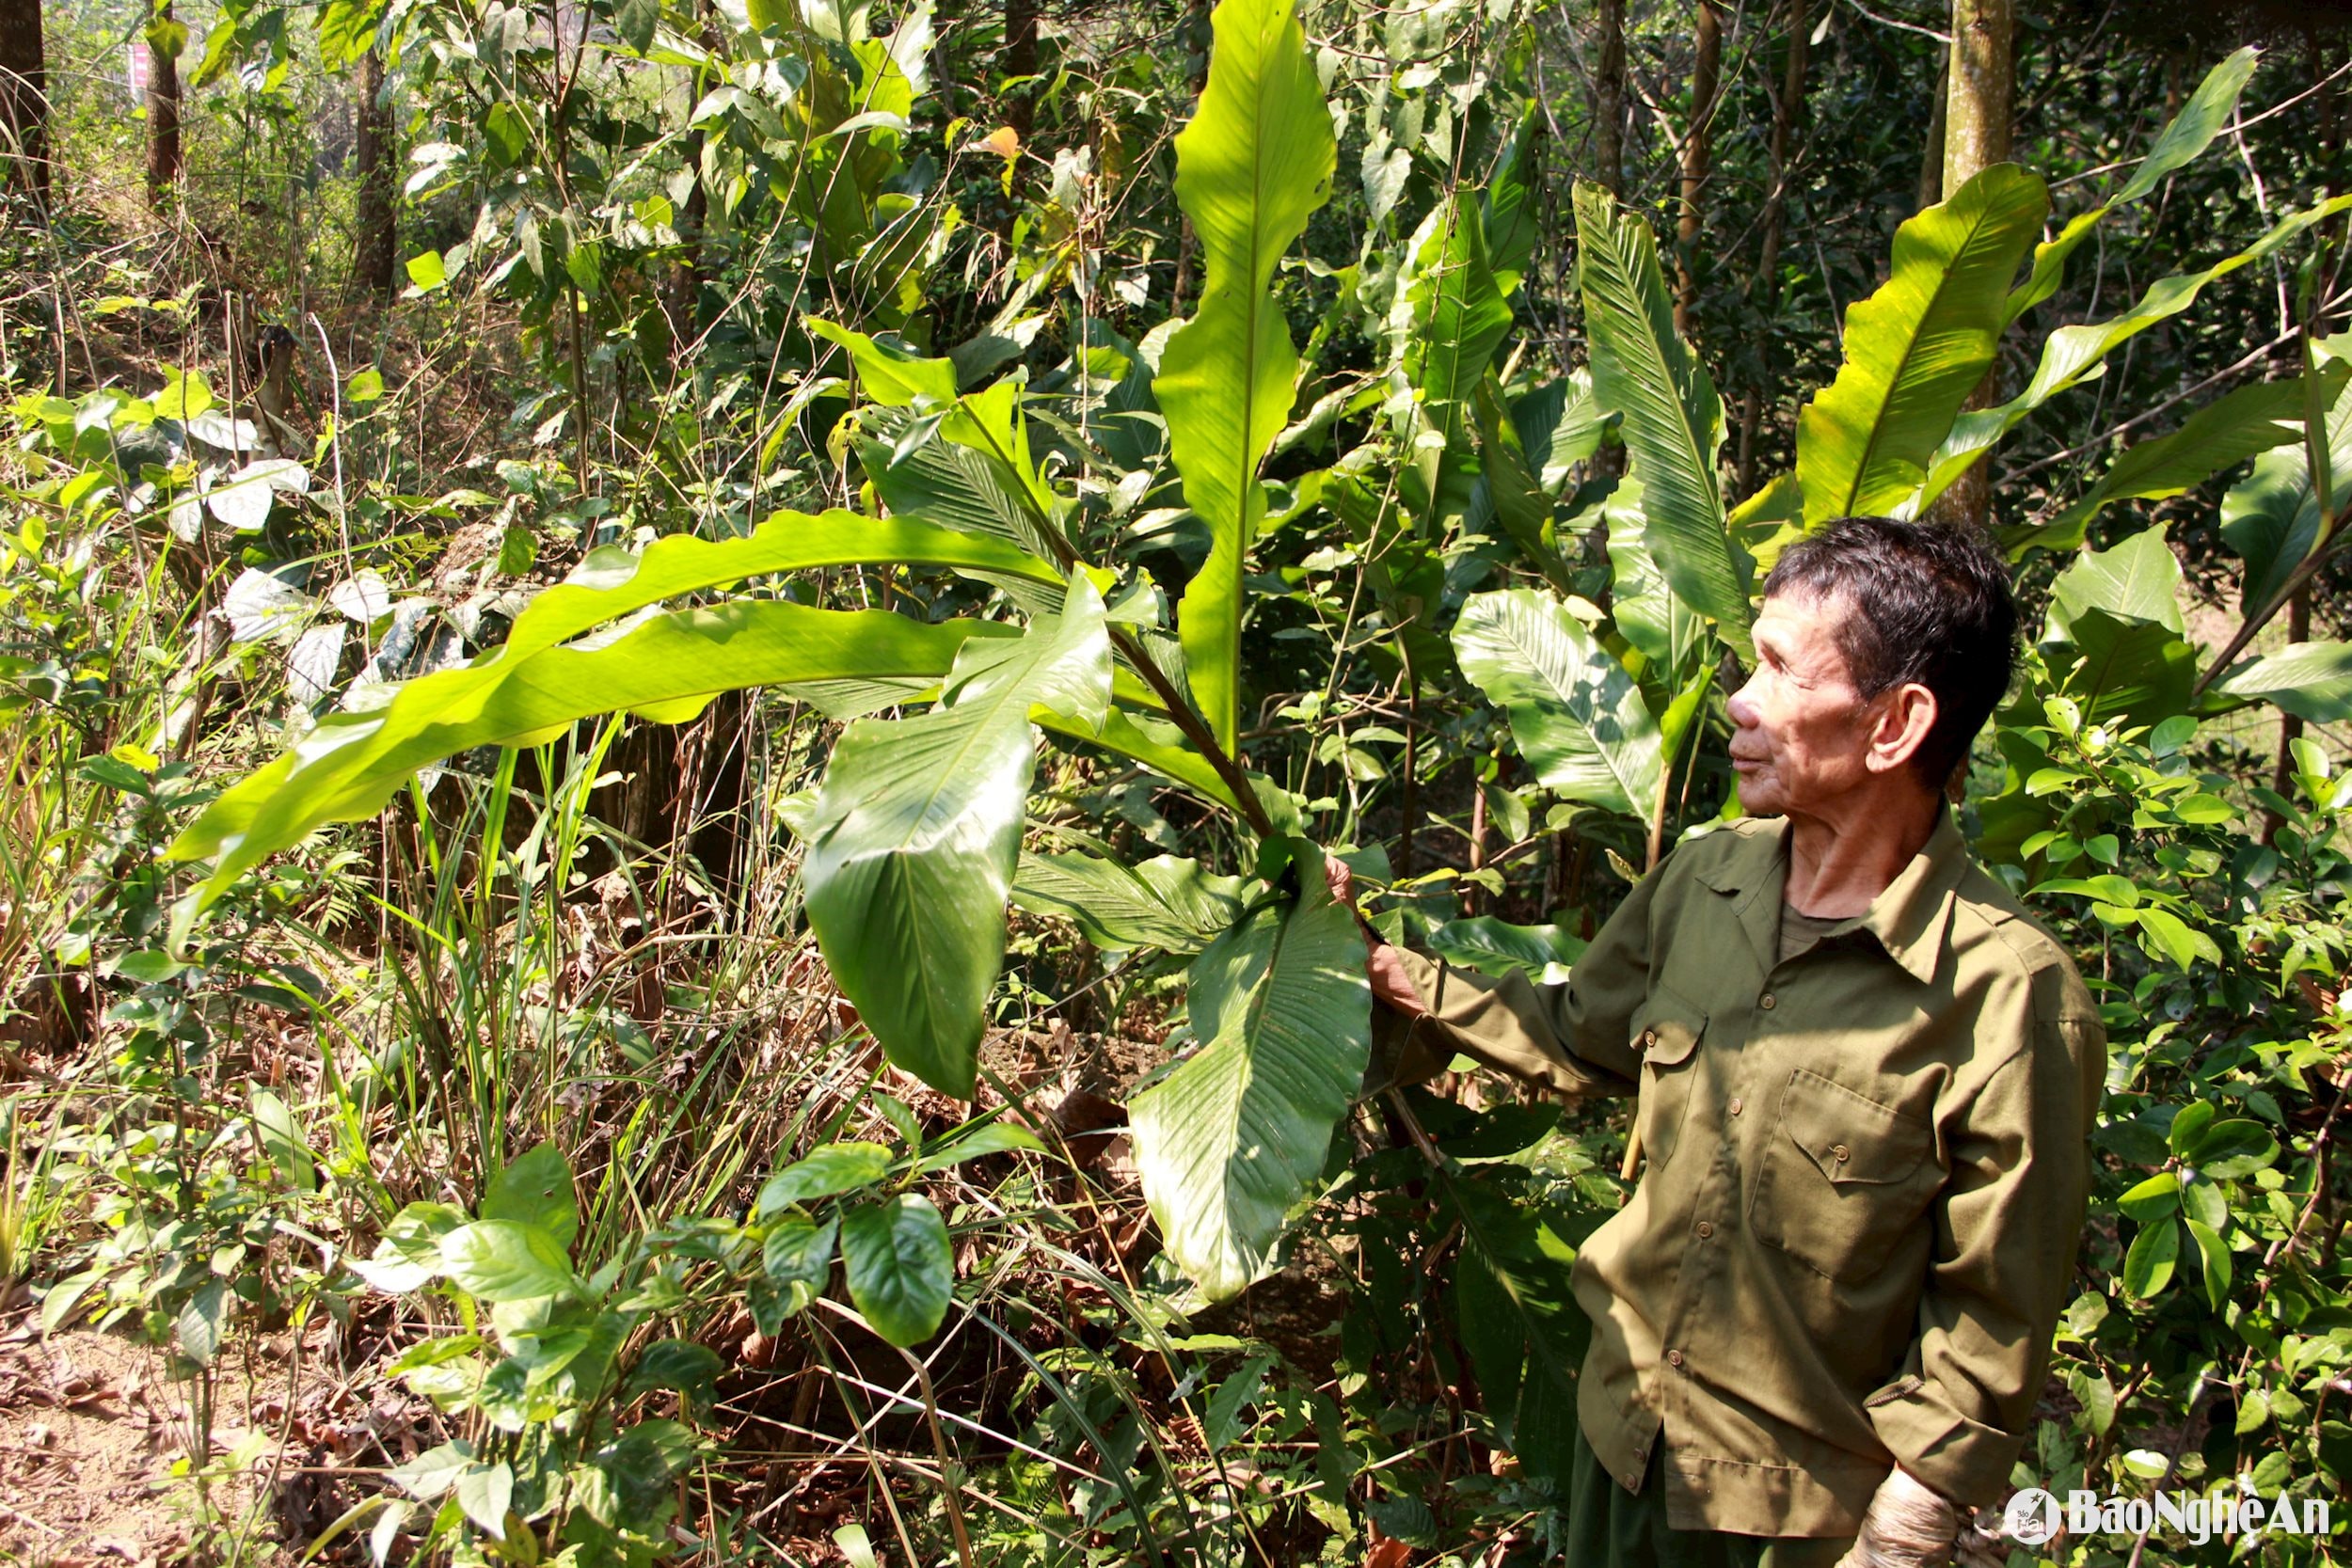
1931	155
1608	100
1978	106
162	120
24	100
1785	111
375	260
1020	60
1698	141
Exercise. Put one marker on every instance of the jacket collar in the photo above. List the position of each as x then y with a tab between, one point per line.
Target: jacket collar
1909	919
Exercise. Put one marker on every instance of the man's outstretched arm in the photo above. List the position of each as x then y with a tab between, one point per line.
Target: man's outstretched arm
1574	1038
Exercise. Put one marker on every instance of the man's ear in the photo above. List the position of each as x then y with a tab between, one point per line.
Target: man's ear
1904	722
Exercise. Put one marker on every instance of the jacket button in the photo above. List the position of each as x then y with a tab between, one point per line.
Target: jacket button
1735	1104
1842	1153
1765	1002
1673	1358
1706	1228
1649	1037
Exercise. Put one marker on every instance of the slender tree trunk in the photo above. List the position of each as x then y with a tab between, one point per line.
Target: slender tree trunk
162	120
1931	155
376	259
1786	109
1697	143
1978	108
1608	100
23	100
1021	60
1981	100
1609	159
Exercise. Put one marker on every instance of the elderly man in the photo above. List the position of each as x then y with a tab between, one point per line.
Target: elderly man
1865	1084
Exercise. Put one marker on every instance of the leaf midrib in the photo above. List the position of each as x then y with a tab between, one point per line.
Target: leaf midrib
1880	422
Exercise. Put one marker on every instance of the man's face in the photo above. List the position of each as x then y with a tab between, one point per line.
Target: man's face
1802	730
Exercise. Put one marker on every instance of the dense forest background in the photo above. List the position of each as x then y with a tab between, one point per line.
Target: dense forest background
561	564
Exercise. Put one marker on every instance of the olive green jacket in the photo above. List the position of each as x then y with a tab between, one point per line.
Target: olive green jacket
1866	1176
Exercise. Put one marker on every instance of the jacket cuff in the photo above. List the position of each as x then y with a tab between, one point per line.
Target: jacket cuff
1965	1460
1405	1050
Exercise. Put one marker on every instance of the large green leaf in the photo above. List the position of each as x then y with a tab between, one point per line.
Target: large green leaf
1915	349
1515	493
2122	670
2138	580
1508	210
508	1260
2188	134
889	372
1542	953
917	829
2116	632
1154	742
536	1189
2310	680
1576	714
1176	904
1520	1322
2073	354
1646	609
2220	436
2274	518
1671	419
1453	318
1237	1133
916	466
1255	161
900	1268
535	686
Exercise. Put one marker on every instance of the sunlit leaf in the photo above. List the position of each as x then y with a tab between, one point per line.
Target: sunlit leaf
1917	348
1236	1134
1255	160
917	829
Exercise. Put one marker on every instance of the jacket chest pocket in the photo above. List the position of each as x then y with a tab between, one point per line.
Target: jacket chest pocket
1842	1179
1666	1032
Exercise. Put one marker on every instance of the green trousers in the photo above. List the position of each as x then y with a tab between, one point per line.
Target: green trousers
1609	1528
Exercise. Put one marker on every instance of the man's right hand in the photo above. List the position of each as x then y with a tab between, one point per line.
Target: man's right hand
1390	984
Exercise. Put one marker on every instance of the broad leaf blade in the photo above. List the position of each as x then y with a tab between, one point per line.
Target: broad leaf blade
1455	318
536	1190
1234	1136
2310	680
2223	434
1644	608
1576	714
2073	354
1518	499
1522	1323
350	765
1255	161
1672	421
901	1269
2189	133
917	829
2273	518
2138	580
1176	904
1917	348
